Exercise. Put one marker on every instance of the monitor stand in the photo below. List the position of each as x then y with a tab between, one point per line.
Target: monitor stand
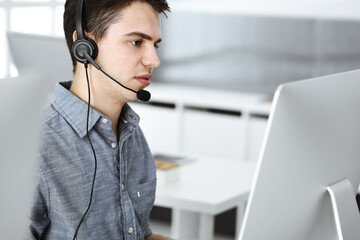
346	212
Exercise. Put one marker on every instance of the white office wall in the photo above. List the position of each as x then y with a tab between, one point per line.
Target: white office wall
329	9
28	16
46	18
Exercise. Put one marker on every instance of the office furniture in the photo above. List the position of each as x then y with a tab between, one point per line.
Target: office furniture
206	187
204	121
218	124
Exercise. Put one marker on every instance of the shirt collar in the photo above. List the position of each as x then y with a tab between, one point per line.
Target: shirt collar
74	110
128	115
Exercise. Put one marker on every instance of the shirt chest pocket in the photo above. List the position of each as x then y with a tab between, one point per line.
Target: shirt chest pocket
143	197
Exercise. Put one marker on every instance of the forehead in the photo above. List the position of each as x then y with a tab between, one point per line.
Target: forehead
140	17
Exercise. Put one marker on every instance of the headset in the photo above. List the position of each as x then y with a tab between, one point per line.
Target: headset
83	46
85	51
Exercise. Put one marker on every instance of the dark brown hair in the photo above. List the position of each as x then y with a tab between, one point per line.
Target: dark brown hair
98	15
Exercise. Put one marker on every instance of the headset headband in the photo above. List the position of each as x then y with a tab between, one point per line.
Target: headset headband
79	29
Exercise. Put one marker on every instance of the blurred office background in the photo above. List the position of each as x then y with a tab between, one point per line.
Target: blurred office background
248	47
242	45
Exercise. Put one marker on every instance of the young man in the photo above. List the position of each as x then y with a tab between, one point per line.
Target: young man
127	33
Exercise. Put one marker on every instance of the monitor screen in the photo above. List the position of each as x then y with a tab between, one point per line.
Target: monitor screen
21	104
44	54
312	141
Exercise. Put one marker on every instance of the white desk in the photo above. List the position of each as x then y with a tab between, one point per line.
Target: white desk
206	188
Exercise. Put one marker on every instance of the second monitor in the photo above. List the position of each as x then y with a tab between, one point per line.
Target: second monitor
309	168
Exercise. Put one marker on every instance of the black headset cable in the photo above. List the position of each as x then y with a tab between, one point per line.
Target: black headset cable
93	150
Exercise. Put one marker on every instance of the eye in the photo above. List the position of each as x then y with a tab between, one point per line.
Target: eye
156	46
136	43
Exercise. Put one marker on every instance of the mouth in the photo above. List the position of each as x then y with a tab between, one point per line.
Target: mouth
144	79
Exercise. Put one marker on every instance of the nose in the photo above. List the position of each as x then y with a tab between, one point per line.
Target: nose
151	59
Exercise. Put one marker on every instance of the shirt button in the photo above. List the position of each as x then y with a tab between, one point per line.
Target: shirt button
113	145
105	121
130	230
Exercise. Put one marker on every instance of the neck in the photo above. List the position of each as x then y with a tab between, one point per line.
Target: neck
100	99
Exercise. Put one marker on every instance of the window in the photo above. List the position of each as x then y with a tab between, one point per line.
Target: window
59	12
31	20
27	16
2	44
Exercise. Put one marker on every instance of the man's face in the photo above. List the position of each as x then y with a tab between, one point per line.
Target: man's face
128	52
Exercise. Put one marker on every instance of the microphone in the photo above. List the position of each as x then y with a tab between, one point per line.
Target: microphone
142	95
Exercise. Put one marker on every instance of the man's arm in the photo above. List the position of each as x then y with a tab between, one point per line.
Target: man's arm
39	220
157	237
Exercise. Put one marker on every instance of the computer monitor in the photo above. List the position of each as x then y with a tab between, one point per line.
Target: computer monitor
45	54
21	104
312	142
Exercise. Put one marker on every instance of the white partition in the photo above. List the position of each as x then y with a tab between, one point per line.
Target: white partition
217	134
160	126
257	127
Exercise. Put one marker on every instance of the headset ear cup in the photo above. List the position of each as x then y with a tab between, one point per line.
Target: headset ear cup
95	48
84	46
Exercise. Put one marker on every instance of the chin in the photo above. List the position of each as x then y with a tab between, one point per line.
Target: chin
131	97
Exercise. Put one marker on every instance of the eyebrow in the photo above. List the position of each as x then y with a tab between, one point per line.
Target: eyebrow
142	35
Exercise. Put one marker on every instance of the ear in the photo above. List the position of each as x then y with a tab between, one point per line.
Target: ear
87	35
74	36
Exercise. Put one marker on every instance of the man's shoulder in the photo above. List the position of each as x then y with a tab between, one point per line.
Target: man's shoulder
50	116
53	121
57	136
49	113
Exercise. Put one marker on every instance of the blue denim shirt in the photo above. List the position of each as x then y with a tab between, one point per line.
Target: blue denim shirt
125	184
